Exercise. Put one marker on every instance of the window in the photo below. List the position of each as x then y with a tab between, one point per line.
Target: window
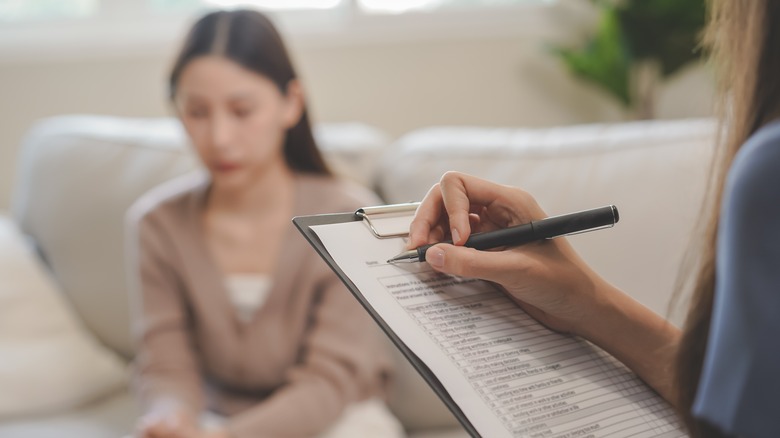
35	28
278	4
31	10
400	6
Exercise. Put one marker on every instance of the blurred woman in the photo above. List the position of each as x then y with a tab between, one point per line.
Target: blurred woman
236	315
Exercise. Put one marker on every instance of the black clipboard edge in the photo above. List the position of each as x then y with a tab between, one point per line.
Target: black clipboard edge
304	224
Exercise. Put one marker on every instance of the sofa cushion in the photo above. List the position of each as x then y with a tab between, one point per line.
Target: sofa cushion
113	416
49	361
76	178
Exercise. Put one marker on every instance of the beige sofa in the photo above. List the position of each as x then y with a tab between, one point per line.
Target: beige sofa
78	175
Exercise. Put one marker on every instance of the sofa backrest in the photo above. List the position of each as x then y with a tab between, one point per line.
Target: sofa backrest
654	172
77	177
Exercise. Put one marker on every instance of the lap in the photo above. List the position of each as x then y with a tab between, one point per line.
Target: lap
367	418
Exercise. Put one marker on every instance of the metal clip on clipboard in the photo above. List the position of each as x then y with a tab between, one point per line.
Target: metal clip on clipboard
386	221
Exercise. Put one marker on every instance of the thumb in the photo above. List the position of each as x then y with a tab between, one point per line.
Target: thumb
496	266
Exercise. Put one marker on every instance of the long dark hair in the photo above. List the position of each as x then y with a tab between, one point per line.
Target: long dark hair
744	36
249	38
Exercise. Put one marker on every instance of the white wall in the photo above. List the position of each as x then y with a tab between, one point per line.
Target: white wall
395	85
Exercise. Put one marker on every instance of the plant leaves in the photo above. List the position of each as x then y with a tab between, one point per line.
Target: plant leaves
605	60
666	31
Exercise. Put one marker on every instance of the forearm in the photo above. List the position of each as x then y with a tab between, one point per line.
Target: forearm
642	340
166	367
301	409
166	374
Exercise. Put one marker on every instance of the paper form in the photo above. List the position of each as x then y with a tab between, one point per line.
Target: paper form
511	376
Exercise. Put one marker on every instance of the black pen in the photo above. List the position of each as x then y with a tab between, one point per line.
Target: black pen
548	228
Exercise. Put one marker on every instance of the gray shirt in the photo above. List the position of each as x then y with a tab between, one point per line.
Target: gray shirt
739	390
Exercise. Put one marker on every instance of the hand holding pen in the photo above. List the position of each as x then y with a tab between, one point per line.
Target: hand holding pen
549	280
548	228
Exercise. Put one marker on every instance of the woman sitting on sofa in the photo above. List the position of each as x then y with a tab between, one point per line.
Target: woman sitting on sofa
235	314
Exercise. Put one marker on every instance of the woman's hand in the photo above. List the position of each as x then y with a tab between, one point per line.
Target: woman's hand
547	279
172	424
178	424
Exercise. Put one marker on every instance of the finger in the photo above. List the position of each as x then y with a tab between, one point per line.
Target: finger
156	431
496	266
503	205
474	221
482	222
444	203
161	428
180	427
457	205
438	234
428	215
457	195
149	427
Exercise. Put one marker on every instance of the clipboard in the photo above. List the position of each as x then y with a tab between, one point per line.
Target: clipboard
373	218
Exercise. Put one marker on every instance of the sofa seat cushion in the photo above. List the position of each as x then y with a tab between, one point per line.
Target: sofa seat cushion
49	361
111	417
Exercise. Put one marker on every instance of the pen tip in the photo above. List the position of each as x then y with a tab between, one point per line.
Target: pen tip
406	256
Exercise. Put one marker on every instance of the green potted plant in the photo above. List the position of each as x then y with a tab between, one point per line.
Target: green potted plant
636	45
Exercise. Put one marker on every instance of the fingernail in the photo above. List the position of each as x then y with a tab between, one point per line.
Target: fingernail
435	257
455	236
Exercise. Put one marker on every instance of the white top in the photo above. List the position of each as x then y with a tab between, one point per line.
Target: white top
248	292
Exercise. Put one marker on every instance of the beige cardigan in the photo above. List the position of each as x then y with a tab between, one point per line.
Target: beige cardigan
309	351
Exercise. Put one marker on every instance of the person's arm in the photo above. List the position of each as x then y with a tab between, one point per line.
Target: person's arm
641	339
167	376
548	279
343	362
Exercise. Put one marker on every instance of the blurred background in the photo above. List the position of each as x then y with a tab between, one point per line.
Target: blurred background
395	64
381	77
